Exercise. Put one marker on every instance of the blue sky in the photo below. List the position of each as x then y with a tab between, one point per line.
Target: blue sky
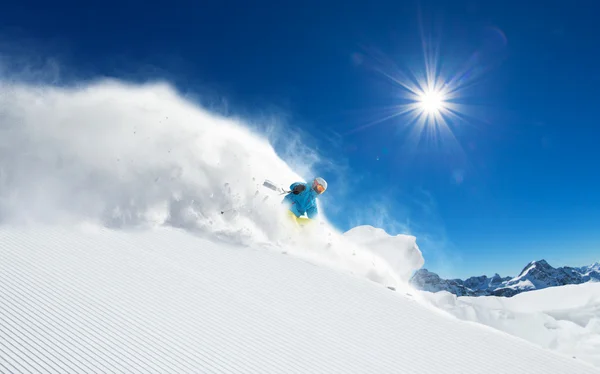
515	180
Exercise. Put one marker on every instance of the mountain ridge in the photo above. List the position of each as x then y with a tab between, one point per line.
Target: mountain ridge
535	275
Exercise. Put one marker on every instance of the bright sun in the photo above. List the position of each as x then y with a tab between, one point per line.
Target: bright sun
431	102
428	99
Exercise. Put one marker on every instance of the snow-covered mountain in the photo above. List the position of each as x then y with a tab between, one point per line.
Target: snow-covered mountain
535	276
136	237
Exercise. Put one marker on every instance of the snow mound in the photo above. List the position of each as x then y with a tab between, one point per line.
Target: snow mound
141	156
400	251
564	318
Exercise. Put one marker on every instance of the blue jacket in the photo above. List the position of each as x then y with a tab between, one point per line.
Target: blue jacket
304	202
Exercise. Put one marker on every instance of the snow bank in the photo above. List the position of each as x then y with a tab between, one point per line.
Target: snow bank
125	156
565	319
400	251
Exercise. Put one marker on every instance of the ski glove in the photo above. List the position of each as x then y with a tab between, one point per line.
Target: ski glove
298	189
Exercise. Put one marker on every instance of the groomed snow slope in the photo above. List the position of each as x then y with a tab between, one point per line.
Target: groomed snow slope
86	299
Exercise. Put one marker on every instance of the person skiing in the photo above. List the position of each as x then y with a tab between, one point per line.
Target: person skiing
302	199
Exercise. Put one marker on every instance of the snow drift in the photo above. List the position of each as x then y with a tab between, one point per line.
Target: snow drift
385	246
138	156
565	319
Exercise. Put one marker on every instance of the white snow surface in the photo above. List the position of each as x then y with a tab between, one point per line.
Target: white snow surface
404	262
115	256
565	319
88	299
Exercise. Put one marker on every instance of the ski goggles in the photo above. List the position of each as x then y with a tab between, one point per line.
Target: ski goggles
319	188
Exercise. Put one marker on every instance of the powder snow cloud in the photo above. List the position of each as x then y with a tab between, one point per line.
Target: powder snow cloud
127	156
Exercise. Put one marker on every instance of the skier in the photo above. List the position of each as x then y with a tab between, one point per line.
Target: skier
303	199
